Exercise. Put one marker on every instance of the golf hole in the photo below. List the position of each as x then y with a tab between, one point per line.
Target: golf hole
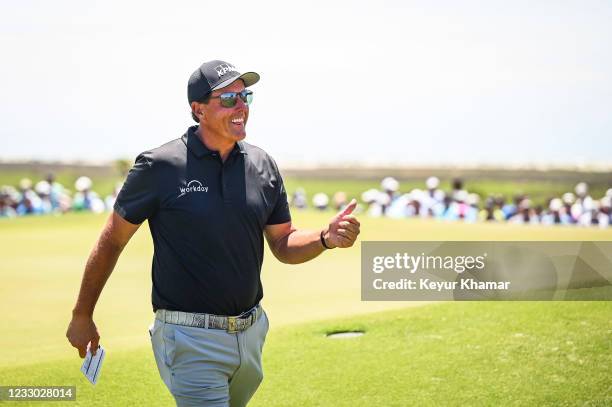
345	334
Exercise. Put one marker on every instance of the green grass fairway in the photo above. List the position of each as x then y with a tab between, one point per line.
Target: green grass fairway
445	354
451	353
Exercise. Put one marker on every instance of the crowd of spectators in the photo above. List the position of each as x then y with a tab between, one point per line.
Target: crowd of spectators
50	197
572	208
577	208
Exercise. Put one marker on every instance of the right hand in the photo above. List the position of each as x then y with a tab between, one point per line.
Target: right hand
81	332
343	228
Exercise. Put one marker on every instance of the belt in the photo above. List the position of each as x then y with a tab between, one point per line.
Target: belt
229	323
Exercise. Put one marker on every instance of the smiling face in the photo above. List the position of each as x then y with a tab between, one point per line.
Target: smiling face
223	126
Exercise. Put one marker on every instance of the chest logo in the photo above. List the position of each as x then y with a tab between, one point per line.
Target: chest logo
192	186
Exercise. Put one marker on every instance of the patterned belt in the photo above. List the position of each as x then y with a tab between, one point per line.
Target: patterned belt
228	323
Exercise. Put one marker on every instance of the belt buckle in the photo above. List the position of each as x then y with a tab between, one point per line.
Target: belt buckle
231	325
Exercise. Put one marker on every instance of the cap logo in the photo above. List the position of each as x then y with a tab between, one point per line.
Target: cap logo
225	68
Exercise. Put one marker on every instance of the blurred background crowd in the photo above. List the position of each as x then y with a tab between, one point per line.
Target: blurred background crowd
50	197
457	204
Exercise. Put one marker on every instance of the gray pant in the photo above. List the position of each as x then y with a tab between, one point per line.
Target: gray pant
209	367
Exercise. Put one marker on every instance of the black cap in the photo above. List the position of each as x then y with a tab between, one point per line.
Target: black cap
213	75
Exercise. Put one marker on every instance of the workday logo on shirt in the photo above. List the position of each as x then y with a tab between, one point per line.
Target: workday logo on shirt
192	186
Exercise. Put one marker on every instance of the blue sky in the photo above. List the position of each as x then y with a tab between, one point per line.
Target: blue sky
395	82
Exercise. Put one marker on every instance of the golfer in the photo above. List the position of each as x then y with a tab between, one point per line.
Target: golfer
209	199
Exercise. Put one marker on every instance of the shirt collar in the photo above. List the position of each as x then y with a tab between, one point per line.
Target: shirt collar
199	149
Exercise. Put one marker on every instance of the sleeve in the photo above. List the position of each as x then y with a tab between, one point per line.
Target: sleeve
280	213
137	199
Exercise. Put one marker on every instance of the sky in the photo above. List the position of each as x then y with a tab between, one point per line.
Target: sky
378	82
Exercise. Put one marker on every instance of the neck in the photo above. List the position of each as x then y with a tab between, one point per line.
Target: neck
215	143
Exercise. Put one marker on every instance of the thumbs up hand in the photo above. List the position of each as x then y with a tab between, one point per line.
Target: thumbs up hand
343	228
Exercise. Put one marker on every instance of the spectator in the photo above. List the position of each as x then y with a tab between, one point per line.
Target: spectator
415	204
582	209
299	199
43	189
471	212
492	211
457	189
460	206
433	200
85	199
320	201
557	214
372	197
511	209
29	202
526	214
399	207
390	186
604	217
57	195
6	210
446	212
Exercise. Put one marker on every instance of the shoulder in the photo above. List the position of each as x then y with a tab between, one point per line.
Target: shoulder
171	153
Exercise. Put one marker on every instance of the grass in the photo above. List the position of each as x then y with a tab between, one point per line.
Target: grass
451	353
446	354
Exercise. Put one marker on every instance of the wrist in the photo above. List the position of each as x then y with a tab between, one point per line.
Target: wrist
78	313
325	239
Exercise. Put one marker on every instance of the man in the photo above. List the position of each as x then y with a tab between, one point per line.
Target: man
209	198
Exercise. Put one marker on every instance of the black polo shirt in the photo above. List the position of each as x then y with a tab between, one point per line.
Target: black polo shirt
206	218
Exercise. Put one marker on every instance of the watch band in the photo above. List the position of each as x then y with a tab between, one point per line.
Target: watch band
323	240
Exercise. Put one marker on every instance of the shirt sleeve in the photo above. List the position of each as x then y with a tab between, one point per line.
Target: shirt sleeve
137	199
280	213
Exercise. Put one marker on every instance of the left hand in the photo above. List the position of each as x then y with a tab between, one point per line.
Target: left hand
343	228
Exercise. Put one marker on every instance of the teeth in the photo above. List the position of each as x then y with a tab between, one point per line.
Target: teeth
238	120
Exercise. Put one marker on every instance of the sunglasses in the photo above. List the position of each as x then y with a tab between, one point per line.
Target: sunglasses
229	99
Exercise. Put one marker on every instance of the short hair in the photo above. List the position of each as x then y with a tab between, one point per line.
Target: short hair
203	100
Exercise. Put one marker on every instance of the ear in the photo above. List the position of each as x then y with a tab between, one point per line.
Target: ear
197	110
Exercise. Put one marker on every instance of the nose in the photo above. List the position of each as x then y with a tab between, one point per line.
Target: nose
240	103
